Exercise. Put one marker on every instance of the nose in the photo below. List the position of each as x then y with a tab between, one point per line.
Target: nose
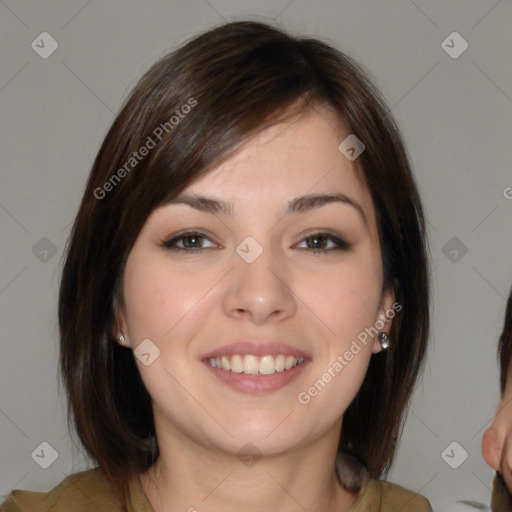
259	290
491	447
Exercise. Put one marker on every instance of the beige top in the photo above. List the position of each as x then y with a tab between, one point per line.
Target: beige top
90	490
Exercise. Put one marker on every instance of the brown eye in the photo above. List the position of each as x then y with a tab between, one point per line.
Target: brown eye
191	241
320	242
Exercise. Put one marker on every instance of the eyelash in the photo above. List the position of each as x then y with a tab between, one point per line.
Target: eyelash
171	243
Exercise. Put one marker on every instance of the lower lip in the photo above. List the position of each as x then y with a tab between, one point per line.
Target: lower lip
257	384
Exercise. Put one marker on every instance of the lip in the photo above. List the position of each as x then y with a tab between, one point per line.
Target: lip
258	349
257	384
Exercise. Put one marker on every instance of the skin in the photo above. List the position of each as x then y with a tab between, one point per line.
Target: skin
188	303
497	439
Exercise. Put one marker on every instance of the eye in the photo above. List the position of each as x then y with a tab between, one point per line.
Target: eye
191	241
318	242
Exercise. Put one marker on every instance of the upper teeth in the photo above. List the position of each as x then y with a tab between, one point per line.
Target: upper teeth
254	365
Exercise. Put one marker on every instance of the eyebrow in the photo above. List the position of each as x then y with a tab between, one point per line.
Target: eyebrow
299	204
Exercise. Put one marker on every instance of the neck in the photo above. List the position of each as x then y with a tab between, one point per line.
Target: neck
190	477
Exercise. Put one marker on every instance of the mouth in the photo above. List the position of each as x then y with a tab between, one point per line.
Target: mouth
250	364
256	367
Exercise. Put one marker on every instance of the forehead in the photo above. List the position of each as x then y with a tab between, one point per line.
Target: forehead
297	157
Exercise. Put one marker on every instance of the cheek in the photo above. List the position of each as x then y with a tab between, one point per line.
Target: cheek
147	301
155	298
346	300
164	305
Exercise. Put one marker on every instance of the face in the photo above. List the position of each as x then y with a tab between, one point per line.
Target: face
254	315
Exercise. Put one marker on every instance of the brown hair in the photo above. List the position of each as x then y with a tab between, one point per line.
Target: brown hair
241	77
505	346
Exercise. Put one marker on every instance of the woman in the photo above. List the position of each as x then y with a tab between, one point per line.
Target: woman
497	439
244	302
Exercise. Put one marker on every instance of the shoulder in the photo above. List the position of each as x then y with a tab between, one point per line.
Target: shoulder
397	496
383	496
79	492
376	495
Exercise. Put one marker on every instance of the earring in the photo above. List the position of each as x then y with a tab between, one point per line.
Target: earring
384	340
121	339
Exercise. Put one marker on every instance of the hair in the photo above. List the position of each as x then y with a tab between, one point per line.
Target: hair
505	346
238	79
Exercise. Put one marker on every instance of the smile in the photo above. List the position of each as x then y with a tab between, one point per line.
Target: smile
254	365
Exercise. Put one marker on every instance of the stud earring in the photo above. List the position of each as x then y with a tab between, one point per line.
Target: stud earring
384	340
121	339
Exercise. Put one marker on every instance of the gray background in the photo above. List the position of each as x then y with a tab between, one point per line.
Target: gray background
455	115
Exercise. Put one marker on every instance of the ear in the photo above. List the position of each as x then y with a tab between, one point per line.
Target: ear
120	326
491	447
387	310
